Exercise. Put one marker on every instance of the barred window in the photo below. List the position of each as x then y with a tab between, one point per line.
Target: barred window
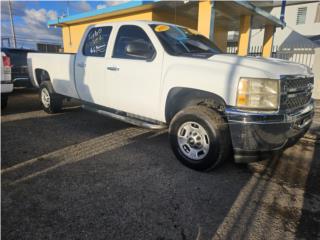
301	15
317	19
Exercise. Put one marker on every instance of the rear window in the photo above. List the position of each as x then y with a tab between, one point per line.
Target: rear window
96	42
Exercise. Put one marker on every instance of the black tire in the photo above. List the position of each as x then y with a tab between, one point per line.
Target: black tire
54	103
4	101
216	129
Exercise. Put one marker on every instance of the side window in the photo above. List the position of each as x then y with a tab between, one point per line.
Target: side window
96	42
132	43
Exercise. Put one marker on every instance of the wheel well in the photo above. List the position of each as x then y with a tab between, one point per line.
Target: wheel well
179	98
41	75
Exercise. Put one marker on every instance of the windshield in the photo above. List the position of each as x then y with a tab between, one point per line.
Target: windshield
179	41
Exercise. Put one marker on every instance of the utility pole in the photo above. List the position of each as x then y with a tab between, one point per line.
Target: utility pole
12	26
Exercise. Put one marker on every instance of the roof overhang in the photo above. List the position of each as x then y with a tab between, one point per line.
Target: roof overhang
125	8
226	18
229	19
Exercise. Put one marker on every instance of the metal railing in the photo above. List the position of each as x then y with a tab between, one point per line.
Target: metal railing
298	54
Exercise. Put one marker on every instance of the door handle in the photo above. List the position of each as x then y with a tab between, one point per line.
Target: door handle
81	64
113	68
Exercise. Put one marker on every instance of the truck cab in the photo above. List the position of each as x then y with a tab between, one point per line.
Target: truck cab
158	75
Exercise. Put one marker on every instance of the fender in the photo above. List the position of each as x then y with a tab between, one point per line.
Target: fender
181	97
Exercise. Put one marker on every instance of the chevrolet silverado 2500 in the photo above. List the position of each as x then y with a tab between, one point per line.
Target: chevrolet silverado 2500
156	74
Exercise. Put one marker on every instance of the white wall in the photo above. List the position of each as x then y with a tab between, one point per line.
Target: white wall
292	34
316	72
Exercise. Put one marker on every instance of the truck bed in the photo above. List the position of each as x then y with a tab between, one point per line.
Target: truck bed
59	66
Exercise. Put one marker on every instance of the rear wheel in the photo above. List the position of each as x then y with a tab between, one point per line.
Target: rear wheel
199	137
50	101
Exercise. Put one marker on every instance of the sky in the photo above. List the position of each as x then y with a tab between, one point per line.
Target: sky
31	17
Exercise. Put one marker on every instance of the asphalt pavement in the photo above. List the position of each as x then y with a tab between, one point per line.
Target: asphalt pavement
78	175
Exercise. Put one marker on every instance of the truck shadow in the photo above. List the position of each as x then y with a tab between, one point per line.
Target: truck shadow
33	136
309	225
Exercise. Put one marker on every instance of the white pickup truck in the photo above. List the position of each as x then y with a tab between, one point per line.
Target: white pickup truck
6	80
156	74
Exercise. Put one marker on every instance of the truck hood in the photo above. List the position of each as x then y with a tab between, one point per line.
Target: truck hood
270	66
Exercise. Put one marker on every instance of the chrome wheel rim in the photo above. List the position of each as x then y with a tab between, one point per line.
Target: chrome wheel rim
193	140
45	97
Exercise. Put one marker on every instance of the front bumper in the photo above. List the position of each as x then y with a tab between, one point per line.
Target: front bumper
258	136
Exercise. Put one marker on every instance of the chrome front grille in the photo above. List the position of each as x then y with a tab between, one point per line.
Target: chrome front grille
296	91
297	83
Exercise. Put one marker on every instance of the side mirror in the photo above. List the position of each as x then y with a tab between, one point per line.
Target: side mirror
140	50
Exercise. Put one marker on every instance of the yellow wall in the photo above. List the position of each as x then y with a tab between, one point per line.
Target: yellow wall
72	34
175	18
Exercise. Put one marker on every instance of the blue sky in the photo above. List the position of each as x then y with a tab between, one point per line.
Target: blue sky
30	19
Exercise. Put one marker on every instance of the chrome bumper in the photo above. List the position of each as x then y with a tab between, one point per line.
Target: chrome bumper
257	136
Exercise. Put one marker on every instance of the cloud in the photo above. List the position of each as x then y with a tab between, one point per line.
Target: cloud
16	6
35	17
36	22
33	28
80	6
111	3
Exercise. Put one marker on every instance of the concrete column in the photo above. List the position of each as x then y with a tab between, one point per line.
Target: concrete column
316	72
244	35
268	41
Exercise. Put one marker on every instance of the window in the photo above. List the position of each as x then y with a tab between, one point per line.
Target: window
179	41
301	15
317	19
96	42
130	34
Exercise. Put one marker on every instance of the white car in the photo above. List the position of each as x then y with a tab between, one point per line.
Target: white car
155	74
6	81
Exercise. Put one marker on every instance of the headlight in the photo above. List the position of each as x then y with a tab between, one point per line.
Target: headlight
258	94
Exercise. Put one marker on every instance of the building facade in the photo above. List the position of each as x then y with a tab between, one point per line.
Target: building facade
213	19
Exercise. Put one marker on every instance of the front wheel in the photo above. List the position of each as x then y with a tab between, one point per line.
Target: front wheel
50	101
199	137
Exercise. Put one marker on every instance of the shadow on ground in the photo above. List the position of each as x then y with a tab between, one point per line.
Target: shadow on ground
77	175
309	226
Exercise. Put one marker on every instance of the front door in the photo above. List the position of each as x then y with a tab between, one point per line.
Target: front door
134	83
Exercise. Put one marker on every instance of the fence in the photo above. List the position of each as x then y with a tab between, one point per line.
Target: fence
299	54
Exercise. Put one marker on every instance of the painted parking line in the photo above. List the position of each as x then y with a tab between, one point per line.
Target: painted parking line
71	154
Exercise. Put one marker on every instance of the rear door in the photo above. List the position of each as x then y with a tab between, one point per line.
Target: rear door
90	66
134	82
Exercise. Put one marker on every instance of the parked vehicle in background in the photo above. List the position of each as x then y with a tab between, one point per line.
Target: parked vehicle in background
19	71
6	81
155	74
